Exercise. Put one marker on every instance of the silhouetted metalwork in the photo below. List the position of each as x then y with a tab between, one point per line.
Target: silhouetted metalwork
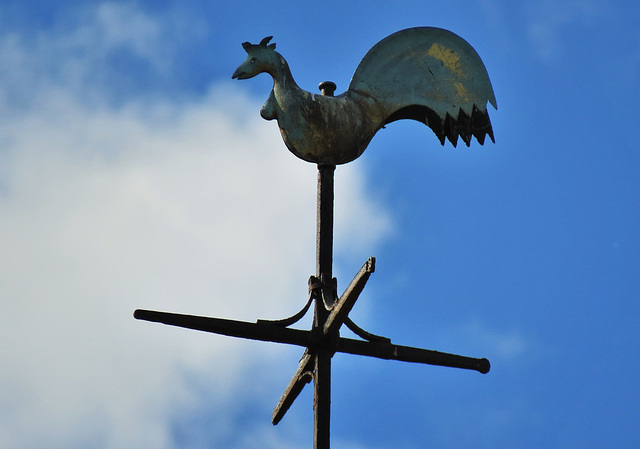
425	74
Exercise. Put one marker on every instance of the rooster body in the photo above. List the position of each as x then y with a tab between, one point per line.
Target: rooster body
425	74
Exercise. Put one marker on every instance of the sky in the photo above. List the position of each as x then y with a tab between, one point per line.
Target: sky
135	173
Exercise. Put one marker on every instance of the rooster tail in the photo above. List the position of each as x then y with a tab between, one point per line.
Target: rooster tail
430	75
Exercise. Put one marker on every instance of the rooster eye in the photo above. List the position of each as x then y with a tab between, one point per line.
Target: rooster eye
253	60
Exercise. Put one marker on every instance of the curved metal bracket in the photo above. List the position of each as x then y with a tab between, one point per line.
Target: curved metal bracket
286	322
329	292
353	327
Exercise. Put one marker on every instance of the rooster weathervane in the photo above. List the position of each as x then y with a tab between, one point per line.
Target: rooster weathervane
425	74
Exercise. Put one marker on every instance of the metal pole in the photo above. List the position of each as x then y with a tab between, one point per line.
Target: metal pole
324	299
324	268
324	237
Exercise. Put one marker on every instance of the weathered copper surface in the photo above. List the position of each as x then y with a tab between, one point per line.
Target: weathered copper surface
425	74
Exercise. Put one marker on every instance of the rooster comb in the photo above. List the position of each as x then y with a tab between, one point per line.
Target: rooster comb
263	43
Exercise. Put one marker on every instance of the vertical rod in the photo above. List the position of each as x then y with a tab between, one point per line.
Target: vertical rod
324	272
322	400
324	268
324	237
324	225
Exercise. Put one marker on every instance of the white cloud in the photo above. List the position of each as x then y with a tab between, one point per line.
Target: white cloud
194	207
80	51
122	24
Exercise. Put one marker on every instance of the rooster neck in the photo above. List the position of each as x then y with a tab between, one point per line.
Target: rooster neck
282	78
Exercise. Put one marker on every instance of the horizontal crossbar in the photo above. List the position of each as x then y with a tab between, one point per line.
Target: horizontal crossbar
268	332
390	351
263	331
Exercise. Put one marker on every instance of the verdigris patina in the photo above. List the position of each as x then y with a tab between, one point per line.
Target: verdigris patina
425	74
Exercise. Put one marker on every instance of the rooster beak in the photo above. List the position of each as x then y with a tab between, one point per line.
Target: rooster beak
239	74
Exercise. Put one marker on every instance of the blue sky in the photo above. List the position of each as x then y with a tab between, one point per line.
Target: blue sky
134	173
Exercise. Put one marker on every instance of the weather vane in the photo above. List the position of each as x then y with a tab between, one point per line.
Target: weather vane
426	74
